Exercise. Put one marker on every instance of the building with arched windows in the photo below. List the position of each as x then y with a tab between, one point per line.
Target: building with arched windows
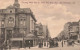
18	25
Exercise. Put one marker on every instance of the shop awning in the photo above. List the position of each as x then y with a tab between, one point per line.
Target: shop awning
16	39
30	36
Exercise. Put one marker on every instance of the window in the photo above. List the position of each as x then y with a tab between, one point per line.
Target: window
22	31
10	11
32	24
2	32
11	20
22	22
2	22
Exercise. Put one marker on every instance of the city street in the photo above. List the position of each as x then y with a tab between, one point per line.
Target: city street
75	47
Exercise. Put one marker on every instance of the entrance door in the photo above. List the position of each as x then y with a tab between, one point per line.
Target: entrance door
29	43
9	34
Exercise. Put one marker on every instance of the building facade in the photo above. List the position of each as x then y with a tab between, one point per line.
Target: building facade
71	30
43	34
74	30
18	25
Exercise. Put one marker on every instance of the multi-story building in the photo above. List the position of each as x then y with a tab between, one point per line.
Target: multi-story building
43	34
39	29
18	25
64	34
72	30
79	31
46	32
42	31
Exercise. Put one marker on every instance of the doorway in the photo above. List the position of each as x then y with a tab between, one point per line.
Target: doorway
9	34
29	43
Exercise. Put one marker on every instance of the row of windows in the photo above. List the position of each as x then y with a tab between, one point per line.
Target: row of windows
21	22
2	11
21	31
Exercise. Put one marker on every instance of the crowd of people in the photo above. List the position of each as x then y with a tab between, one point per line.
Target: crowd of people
55	43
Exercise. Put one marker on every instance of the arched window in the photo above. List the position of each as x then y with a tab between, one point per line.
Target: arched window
11	20
22	31
22	22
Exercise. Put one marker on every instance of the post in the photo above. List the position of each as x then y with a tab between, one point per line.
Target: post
23	41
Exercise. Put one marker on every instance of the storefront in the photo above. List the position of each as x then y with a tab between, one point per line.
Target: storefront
44	41
31	40
16	42
74	36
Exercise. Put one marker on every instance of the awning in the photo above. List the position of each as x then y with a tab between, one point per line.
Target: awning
16	39
30	37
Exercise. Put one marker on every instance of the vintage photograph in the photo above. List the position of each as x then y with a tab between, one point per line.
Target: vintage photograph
39	25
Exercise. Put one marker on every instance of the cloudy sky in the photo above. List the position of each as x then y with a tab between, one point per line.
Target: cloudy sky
54	13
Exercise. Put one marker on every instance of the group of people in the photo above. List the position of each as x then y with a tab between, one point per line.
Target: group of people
49	44
40	45
53	44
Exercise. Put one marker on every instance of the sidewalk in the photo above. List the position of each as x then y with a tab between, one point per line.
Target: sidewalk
65	47
36	47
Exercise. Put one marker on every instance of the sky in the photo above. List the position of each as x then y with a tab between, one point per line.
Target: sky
54	13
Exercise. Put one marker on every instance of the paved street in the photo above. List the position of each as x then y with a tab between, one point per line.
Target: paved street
75	47
56	48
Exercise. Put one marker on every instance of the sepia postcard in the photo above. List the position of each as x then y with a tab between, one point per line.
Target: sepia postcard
39	25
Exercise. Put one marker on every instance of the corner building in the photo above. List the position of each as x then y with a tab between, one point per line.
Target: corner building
18	24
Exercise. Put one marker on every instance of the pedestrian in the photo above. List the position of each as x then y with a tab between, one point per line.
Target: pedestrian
53	43
29	44
56	44
39	44
42	44
73	43
62	43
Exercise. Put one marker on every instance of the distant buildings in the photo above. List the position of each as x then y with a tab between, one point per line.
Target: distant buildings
19	27
71	31
42	32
